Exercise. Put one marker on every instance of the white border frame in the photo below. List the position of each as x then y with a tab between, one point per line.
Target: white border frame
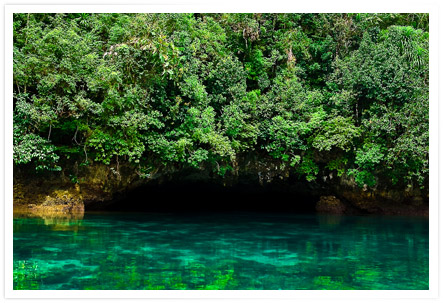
274	7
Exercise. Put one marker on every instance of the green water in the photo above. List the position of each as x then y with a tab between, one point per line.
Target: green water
221	251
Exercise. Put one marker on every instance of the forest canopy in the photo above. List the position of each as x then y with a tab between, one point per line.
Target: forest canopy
343	93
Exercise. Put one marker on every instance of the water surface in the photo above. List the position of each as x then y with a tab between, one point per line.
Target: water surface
221	251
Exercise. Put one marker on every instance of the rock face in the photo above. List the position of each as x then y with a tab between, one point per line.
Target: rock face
64	201
383	200
330	205
96	186
69	191
58	202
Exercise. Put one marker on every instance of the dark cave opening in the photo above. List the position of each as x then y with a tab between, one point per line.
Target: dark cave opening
206	196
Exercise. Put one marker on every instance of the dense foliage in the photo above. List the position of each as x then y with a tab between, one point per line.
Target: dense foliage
341	93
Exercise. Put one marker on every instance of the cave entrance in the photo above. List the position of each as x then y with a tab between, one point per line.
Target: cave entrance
198	196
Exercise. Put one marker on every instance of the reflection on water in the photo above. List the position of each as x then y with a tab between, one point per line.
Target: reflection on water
221	251
55	221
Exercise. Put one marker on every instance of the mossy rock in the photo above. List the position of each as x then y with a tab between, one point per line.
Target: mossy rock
330	205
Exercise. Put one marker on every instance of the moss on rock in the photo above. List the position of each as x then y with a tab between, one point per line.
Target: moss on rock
331	205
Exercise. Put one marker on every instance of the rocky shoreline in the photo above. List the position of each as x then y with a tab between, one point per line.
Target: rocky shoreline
97	186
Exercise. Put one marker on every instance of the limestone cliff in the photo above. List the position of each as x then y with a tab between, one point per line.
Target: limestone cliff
96	186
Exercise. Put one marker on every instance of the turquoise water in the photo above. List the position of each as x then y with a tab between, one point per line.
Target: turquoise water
221	251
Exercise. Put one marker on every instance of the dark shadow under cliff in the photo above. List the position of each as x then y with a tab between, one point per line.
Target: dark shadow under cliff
202	196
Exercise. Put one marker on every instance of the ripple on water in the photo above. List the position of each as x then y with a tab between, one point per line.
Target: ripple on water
173	252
